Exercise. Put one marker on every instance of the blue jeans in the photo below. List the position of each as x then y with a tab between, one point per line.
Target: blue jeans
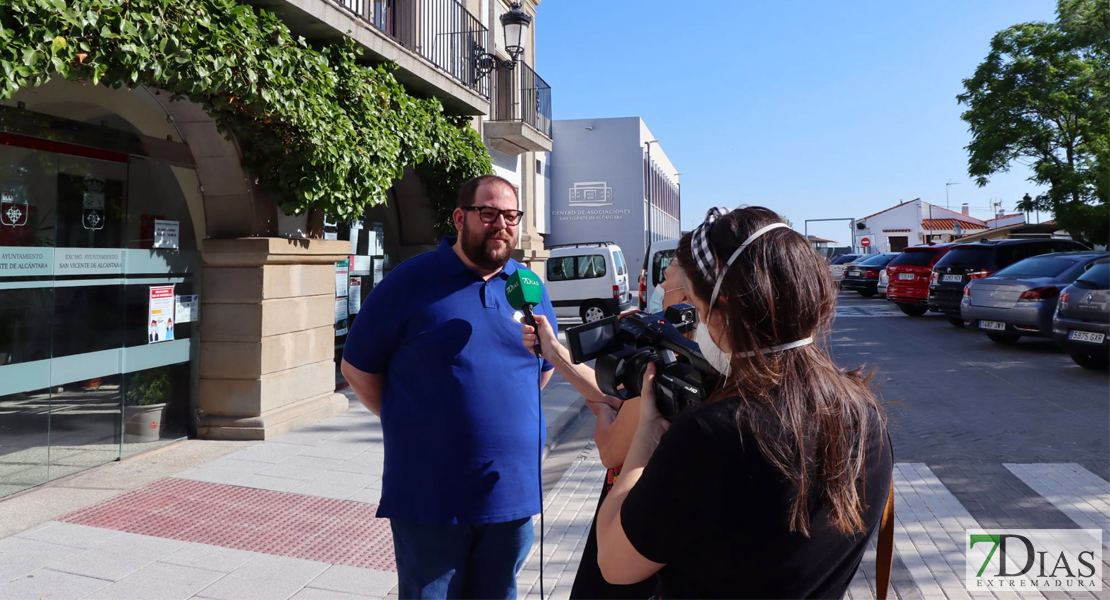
460	561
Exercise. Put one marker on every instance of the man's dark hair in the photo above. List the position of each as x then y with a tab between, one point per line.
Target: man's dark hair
469	190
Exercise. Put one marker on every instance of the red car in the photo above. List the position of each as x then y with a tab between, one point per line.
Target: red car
909	275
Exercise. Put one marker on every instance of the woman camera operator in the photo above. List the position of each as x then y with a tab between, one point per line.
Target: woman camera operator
772	487
616	423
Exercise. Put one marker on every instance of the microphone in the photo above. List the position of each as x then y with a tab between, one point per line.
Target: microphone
525	291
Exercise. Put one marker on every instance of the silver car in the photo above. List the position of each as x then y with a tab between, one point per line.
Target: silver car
1021	299
884	282
1082	322
838	264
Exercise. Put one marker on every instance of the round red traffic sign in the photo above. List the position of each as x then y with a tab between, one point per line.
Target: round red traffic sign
865	242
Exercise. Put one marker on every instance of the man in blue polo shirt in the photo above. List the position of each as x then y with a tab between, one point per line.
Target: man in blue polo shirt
435	352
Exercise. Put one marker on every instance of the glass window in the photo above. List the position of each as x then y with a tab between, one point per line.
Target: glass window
968	257
914	258
90	202
1095	278
619	259
659	264
844	259
1041	266
26	318
28	197
24	440
591	267
560	269
879	260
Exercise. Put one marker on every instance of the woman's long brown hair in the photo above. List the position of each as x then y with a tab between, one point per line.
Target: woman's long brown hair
809	418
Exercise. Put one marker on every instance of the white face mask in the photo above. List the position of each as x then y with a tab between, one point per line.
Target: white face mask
655	304
719	359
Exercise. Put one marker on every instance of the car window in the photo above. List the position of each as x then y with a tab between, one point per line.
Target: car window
844	258
1038	266
969	257
1095	278
659	263
560	269
619	259
914	258
590	267
879	260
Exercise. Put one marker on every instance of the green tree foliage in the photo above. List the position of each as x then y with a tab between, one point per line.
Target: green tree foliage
320	130
1040	98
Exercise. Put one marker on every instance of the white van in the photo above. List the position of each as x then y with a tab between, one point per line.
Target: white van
589	281
658	256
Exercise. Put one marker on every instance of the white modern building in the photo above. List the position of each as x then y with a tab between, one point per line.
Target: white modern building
911	223
611	181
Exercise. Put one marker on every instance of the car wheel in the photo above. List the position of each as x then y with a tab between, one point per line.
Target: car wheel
913	311
593	311
1090	361
957	322
1004	338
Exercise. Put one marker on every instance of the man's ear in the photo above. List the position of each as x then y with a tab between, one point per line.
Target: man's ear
457	216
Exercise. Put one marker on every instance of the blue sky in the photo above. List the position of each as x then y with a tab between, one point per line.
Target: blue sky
814	109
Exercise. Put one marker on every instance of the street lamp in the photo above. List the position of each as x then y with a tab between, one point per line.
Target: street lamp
515	25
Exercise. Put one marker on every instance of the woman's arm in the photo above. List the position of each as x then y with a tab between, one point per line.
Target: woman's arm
614	430
618	559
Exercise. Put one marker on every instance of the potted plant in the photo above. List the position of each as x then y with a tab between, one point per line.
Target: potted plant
144	403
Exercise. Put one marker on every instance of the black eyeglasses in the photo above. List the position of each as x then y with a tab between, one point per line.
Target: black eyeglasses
489	214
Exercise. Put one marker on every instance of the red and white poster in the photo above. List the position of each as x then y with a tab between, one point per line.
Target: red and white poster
160	316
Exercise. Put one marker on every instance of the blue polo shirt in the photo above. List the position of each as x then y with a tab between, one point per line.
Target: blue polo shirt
460	409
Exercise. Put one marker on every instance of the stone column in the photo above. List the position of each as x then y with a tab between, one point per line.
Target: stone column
267	336
531	252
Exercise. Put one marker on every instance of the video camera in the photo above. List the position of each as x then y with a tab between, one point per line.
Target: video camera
625	346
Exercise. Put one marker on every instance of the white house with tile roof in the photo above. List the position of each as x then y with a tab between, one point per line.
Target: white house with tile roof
911	223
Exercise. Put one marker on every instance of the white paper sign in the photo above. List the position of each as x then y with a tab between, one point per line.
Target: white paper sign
379	270
340	316
160	314
354	300
187	307
362	266
166	233
341	277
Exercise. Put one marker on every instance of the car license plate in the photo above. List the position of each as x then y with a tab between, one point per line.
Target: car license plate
853	273
993	325
952	278
1087	336
905	276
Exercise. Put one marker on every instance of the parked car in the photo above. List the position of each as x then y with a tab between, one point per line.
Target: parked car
658	256
884	282
863	276
837	265
589	281
1021	299
976	260
1081	324
909	275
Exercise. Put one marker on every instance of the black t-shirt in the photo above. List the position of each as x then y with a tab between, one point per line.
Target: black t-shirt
717	513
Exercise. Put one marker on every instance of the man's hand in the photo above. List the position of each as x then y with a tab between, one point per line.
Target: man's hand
546	334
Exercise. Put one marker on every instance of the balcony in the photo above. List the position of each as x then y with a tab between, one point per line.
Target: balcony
520	112
435	43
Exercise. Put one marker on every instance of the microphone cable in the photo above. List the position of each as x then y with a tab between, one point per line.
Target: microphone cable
539	389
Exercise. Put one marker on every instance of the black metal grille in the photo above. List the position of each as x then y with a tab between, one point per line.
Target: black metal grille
521	95
441	31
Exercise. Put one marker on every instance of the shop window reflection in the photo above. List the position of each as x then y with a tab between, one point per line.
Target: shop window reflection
26	317
24	454
90	203
84	424
87	319
28	197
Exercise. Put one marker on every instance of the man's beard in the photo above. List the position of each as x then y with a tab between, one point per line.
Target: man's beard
478	248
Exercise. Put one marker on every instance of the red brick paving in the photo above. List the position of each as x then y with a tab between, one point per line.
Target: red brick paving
338	532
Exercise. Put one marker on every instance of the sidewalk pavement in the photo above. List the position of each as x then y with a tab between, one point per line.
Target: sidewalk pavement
292	517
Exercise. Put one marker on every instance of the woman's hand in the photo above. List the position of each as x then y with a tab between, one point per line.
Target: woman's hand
546	334
650	418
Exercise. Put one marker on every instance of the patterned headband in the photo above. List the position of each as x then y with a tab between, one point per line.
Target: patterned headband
699	242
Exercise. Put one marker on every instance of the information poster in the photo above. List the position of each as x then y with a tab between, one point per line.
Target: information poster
340	317
379	270
187	306
342	274
166	234
160	314
354	300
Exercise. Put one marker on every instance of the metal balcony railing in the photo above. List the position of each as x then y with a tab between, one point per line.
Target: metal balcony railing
525	97
441	31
